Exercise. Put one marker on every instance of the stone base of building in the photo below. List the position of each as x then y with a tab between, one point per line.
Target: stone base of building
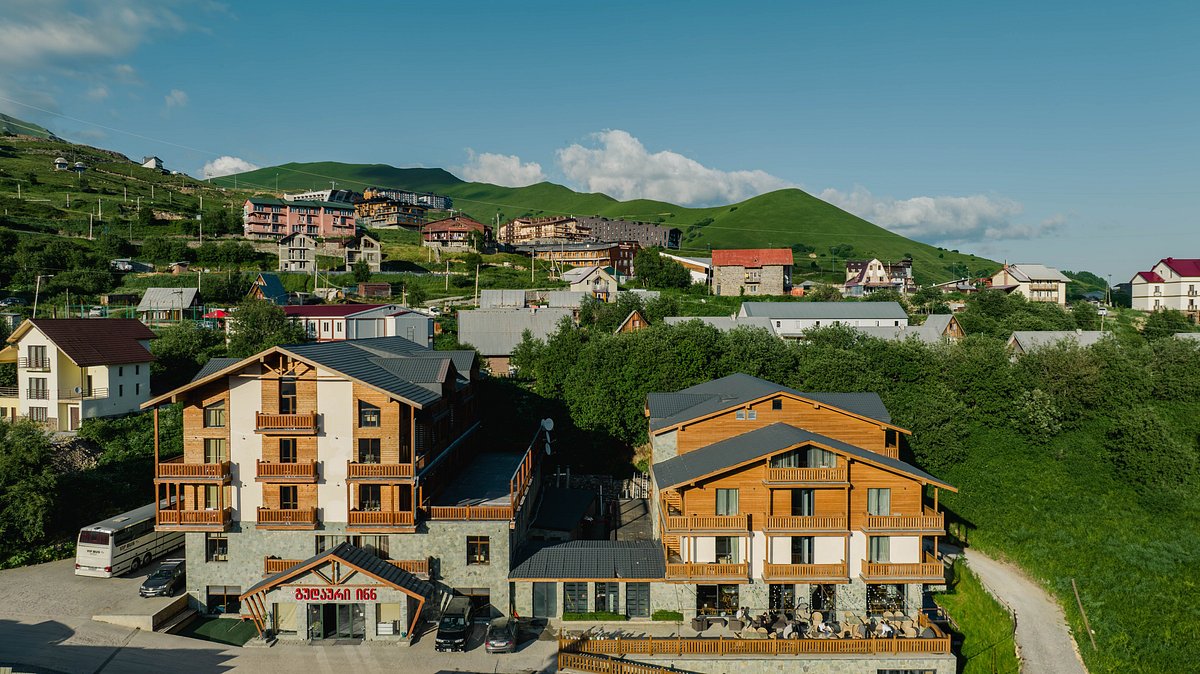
817	664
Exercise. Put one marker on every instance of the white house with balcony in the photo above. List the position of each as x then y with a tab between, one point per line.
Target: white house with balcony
1037	282
1172	283
71	369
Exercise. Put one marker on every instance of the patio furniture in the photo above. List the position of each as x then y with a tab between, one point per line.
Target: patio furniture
817	617
735	625
910	632
698	624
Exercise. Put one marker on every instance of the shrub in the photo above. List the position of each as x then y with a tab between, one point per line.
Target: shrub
667	616
595	616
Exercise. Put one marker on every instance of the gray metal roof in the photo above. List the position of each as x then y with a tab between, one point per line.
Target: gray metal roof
163	299
357	359
428	372
761	443
494	332
825	310
1028	340
668	409
115	522
604	560
495	299
1027	272
565	298
724	323
214	365
362	559
931	332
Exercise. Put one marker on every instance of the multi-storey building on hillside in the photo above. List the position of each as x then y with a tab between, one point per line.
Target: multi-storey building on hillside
646	234
333	490
1038	283
864	277
456	232
1172	283
269	218
753	271
619	256
297	252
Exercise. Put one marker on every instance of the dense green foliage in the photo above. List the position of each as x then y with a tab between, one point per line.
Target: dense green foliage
258	325
986	627
180	351
27	482
596	616
656	271
667	616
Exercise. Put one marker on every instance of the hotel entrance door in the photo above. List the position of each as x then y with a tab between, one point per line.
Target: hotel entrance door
336	621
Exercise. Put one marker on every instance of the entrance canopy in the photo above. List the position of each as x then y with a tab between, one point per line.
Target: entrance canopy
342	569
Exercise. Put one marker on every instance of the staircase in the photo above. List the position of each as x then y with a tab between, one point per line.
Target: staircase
600	664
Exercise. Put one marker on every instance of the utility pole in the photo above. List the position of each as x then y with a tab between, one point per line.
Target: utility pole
68	200
89	225
447	274
37	287
99	209
126	194
18	189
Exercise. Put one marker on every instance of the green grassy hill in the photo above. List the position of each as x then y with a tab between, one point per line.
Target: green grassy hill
783	218
22	128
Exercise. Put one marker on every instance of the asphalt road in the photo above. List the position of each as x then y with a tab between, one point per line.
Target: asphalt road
1043	635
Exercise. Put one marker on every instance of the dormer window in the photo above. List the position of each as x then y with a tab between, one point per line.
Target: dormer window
891	438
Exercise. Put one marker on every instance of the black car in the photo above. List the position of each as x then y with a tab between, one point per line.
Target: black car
11	302
163	583
501	636
455	626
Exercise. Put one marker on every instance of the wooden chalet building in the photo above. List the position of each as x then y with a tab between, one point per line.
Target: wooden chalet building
769	497
333	490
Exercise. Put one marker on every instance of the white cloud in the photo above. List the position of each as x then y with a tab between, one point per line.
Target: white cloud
943	218
97	93
621	167
226	165
501	169
176	99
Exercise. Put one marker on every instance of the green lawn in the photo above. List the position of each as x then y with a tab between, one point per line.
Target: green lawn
985	626
220	630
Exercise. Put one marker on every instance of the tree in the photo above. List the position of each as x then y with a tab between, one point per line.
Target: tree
1146	454
655	271
926	298
823	293
27	482
1165	323
362	271
257	325
1085	315
416	294
180	351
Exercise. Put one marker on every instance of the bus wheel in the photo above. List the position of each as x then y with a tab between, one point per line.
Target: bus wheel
146	561
135	564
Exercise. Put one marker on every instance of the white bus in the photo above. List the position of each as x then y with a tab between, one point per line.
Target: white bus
122	543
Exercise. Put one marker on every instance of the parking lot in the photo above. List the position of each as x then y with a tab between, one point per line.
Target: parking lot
46	626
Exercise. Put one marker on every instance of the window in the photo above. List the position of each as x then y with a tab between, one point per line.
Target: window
37	356
751	414
821	458
214	415
882	598
215	450
216	547
287	395
137	388
777	404
891	438
727	501
741	415
368	415
879	502
120	372
802	502
824	598
637	600
224	599
38	414
120	390
607	597
781	597
213	497
879	550
802	549
287	450
727	550
37	389
289	499
369	497
368	450
575	597
479	550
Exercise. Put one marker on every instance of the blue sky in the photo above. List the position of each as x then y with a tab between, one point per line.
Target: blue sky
1062	134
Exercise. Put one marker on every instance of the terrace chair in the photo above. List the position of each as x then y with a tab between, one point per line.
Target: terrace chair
735	625
817	617
909	631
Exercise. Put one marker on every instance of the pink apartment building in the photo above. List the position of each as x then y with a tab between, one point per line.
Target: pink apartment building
269	218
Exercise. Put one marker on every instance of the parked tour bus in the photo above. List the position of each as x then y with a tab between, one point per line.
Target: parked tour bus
122	543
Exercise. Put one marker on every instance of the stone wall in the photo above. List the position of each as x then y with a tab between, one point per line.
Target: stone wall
817	664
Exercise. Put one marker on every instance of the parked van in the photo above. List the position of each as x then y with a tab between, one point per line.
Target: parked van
455	626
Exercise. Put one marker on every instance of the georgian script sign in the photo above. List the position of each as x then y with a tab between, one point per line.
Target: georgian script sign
332	594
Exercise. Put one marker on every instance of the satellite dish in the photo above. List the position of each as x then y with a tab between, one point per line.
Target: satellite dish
547	449
78	389
548	424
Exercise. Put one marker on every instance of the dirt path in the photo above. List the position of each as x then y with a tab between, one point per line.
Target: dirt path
1042	631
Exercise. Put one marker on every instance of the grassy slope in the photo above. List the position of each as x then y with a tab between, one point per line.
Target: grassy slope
985	625
21	127
781	218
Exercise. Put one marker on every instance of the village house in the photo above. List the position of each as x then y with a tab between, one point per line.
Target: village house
790	320
268	287
455	233
366	249
72	369
339	322
153	163
1038	283
1172	283
298	252
270	218
700	268
338	490
935	329
754	271
495	332
618	256
864	277
634	322
595	281
1022	342
168	305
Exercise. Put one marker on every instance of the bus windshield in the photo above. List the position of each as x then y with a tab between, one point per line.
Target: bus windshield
93	538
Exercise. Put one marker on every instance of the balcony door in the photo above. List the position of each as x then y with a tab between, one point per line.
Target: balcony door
802	502
287	395
727	550
802	549
727	502
370	497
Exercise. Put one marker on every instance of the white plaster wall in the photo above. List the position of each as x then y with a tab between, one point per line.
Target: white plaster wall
335	399
704	549
758	553
35	337
905	549
858	552
829	549
781	550
245	446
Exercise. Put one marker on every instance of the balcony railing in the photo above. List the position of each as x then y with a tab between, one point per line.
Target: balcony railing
503	512
419	567
305	471
806	523
9	391
84	394
930	520
299	518
358	471
194	519
806	572
305	424
708	571
37	393
274	565
176	469
34	363
688	523
929	571
381	519
806	475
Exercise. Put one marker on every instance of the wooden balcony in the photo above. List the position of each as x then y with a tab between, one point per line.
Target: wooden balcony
417	567
702	571
193	520
502	512
381	520
274	565
286	424
929	522
929	571
807	573
806	476
806	523
270	471
707	523
175	470
278	518
378	471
